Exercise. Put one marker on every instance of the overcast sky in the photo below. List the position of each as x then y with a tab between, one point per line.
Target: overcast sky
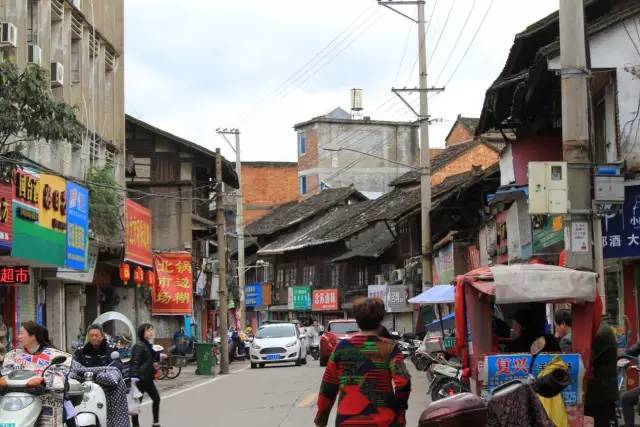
195	65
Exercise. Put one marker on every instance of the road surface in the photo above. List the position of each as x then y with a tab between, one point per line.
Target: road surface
278	396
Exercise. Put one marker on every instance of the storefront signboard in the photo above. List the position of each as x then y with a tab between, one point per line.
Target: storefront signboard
621	232
301	298
173	291
77	227
138	245
253	295
325	300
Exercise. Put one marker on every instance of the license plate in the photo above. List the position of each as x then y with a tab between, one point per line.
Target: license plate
273	357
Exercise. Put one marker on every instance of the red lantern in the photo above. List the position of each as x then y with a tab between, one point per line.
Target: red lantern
125	272
138	275
151	278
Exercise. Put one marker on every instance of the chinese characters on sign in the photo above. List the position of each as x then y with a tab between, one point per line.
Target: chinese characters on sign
173	291
621	232
253	295
502	368
77	226
325	299
6	215
301	298
12	275
396	301
137	246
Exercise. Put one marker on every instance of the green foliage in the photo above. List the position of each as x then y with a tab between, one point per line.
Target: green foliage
105	203
29	113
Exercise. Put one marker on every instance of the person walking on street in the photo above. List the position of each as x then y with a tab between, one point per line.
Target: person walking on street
97	351
144	362
368	372
602	387
562	320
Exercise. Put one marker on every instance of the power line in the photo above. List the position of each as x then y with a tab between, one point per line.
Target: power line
444	27
404	51
464	26
470	44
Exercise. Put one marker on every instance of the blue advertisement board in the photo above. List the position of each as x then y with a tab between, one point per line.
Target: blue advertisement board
621	232
502	368
253	295
77	227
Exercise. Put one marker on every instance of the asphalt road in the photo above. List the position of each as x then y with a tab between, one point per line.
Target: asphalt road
277	396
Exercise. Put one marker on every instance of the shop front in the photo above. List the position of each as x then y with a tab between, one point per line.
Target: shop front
326	305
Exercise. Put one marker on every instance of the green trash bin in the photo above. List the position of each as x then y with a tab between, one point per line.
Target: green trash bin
204	358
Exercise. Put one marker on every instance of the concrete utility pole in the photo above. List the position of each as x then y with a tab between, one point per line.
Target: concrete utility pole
239	221
222	268
425	153
576	146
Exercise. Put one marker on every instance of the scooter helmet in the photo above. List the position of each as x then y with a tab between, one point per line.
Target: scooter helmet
552	384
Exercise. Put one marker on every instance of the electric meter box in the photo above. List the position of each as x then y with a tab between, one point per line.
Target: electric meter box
608	188
548	188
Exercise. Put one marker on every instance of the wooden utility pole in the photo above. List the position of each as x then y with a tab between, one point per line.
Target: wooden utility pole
222	268
576	147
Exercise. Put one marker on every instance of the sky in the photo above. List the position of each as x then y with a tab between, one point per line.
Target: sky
263	66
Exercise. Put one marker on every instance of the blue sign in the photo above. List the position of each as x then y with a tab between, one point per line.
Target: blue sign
253	295
77	227
621	232
502	368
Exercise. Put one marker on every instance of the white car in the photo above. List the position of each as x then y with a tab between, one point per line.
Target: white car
278	343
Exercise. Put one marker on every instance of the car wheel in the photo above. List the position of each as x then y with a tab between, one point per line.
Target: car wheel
254	366
304	360
299	361
262	365
323	361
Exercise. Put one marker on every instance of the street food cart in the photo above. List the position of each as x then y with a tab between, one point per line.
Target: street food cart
482	293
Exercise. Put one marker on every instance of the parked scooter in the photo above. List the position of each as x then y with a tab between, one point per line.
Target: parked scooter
22	404
91	408
445	378
468	409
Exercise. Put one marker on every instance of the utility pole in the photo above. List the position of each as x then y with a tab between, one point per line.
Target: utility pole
239	221
425	153
222	268
576	146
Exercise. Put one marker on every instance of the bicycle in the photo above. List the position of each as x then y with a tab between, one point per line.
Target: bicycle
171	366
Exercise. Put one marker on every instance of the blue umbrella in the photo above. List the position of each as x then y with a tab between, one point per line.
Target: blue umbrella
447	322
439	294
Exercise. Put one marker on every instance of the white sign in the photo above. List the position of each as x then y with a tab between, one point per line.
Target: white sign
580	236
69	275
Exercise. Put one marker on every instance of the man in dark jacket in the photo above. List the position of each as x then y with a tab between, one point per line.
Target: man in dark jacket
602	387
630	398
96	352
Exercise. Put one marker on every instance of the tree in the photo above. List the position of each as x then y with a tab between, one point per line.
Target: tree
105	203
28	113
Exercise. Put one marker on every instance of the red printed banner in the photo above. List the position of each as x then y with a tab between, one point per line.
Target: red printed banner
172	293
325	299
137	247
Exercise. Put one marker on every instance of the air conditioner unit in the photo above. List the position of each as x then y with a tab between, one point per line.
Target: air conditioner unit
379	279
34	55
57	74
8	35
397	276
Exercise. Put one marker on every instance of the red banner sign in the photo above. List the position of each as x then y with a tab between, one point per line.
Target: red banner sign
172	293
137	247
325	299
13	275
6	215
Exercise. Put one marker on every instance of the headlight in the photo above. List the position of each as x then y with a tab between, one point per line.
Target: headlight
15	403
292	343
255	346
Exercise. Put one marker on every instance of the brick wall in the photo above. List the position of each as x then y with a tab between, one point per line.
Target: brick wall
458	135
309	160
267	185
478	156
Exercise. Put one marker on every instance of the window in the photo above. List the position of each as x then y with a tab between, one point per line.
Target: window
362	277
280	278
76	61
110	158
303	185
94	153
302	144
308	274
335	276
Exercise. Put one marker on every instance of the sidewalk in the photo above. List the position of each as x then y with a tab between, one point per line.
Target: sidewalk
189	378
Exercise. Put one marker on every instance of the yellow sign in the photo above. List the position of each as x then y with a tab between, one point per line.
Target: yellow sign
52	202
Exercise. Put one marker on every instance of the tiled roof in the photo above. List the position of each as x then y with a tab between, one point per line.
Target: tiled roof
290	214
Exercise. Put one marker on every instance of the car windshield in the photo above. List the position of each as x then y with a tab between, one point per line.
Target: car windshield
344	327
277	331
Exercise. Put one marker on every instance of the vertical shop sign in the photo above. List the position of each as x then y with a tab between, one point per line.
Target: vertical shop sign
138	247
173	291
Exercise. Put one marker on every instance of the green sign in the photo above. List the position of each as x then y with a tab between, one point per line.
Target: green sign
547	231
302	298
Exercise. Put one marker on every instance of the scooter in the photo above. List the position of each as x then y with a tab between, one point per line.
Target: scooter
22	405
314	351
445	379
92	409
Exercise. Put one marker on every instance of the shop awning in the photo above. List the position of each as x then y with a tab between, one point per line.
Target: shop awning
279	308
439	294
448	322
508	194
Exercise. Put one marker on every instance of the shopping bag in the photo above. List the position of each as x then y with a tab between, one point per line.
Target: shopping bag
133	403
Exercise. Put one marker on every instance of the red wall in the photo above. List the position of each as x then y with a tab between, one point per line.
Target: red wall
535	149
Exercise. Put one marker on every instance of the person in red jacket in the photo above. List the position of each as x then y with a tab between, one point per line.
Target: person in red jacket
368	372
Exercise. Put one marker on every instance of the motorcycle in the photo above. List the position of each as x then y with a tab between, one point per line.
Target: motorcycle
468	409
314	351
89	399
445	378
23	403
624	365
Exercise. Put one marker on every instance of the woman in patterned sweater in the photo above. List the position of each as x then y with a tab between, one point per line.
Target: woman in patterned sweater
369	373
